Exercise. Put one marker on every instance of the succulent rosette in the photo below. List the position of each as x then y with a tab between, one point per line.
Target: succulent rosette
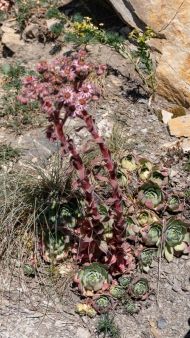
145	169
128	163
174	204
55	247
102	304
124	281
176	239
146	217
132	227
130	306
146	258
159	177
92	278
153	234
139	289
29	270
122	177
150	195
117	291
85	310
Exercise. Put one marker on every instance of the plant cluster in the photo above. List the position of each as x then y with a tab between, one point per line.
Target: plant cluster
16	115
83	31
142	54
127	213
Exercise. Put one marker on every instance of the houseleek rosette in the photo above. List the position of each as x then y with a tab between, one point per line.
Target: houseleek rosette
130	306
85	310
150	195
139	289
117	291
174	204
159	177
56	247
92	278
146	217
145	169
176	238
102	304
146	259
153	234
125	281
131	227
128	163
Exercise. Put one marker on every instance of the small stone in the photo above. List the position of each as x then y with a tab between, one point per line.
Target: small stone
82	333
12	40
30	32
186	145
166	116
161	323
180	126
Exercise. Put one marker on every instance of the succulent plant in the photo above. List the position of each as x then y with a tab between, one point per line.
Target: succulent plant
128	163
132	228
92	278
130	306
102	304
125	281
61	214
29	270
146	217
122	177
150	195
139	289
55	247
145	169
176	238
85	310
174	204
154	234
117	291
146	259
159	177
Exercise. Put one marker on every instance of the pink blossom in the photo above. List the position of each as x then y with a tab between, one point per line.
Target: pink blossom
22	99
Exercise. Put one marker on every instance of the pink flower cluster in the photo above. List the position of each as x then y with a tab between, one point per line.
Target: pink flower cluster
5	5
62	83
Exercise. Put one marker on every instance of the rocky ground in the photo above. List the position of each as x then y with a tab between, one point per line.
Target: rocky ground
36	308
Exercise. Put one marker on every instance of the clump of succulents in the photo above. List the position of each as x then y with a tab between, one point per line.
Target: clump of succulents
145	169
139	289
92	278
117	291
146	258
176	238
102	304
85	310
57	214
55	247
128	163
150	195
124	281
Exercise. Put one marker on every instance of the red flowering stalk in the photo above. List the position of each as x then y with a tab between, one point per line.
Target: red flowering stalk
62	87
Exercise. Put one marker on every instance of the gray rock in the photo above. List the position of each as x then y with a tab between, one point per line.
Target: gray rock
82	333
161	323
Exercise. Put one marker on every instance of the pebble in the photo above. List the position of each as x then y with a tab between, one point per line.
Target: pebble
161	323
82	333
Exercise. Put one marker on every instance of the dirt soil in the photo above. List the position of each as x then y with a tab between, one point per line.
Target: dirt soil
33	308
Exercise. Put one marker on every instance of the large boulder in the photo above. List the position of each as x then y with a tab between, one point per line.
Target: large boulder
171	19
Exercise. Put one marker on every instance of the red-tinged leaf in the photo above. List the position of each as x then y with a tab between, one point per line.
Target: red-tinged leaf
149	204
113	260
103	247
101	178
